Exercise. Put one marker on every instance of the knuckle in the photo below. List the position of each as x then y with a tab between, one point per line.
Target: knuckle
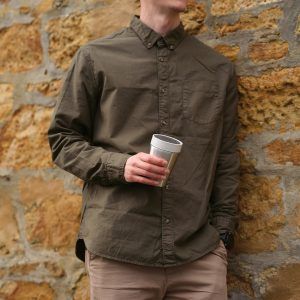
148	168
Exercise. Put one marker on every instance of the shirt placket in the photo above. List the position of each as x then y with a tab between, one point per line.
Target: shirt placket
163	55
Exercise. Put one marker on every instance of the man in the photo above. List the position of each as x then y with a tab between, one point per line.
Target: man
138	240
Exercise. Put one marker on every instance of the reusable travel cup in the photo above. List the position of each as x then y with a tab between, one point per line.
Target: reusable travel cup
166	147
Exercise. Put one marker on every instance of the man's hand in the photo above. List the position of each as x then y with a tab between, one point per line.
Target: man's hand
145	168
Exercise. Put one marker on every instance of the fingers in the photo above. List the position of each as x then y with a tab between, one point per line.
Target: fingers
150	170
145	168
144	180
151	159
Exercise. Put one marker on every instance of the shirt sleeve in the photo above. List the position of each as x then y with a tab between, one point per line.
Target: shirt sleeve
225	191
71	127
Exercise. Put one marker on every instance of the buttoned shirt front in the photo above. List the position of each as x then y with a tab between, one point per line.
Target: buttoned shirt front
118	91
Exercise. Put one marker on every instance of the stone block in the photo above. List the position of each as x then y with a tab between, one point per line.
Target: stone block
9	232
54	269
294	220
241	284
82	289
24	141
230	51
261	214
267	19
282	283
42	7
284	152
21	48
265	51
25	290
67	34
193	18
51	214
224	7
46	88
6	101
270	101
297	31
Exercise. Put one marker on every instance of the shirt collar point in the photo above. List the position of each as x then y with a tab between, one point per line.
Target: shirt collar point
149	37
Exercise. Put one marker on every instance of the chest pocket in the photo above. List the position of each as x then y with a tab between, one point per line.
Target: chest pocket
200	101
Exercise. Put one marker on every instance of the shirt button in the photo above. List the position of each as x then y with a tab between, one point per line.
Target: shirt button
149	45
161	59
167	187
171	47
167	220
163	123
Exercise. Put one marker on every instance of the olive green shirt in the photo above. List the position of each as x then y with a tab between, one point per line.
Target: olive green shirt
118	91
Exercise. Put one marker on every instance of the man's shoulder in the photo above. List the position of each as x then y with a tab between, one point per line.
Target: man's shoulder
208	56
109	39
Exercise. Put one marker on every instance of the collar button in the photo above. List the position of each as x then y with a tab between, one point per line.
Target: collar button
171	47
149	45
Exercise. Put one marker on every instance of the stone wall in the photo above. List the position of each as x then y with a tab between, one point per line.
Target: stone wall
40	204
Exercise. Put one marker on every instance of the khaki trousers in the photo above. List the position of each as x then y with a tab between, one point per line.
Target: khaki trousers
202	279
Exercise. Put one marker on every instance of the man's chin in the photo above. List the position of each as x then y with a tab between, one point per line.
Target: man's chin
179	9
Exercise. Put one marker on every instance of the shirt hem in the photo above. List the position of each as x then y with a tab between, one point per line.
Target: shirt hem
193	258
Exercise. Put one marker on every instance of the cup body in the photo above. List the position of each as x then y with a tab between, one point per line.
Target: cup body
168	148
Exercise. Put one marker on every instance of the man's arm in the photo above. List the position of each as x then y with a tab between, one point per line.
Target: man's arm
71	128
225	190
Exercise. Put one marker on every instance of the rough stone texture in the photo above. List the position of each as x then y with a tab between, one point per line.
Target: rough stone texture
40	204
259	224
21	47
193	18
24	140
49	89
42	7
283	283
20	290
267	19
294	220
82	289
229	51
66	35
240	284
54	269
284	152
22	269
269	50
24	10
6	101
270	101
9	233
51	214
298	26
225	7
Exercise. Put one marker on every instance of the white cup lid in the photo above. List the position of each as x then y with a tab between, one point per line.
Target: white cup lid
166	143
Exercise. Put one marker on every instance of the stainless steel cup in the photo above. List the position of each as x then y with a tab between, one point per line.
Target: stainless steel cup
166	147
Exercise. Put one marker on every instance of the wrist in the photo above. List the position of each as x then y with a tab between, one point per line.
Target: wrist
228	239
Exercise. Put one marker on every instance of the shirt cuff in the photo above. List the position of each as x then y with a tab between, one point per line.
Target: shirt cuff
224	224
115	167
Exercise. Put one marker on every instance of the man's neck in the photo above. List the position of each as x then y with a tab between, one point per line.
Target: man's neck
160	21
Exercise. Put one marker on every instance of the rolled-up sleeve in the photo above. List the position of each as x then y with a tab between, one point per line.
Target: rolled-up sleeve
71	127
225	192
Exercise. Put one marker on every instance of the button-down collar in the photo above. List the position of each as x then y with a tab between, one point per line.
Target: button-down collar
149	37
